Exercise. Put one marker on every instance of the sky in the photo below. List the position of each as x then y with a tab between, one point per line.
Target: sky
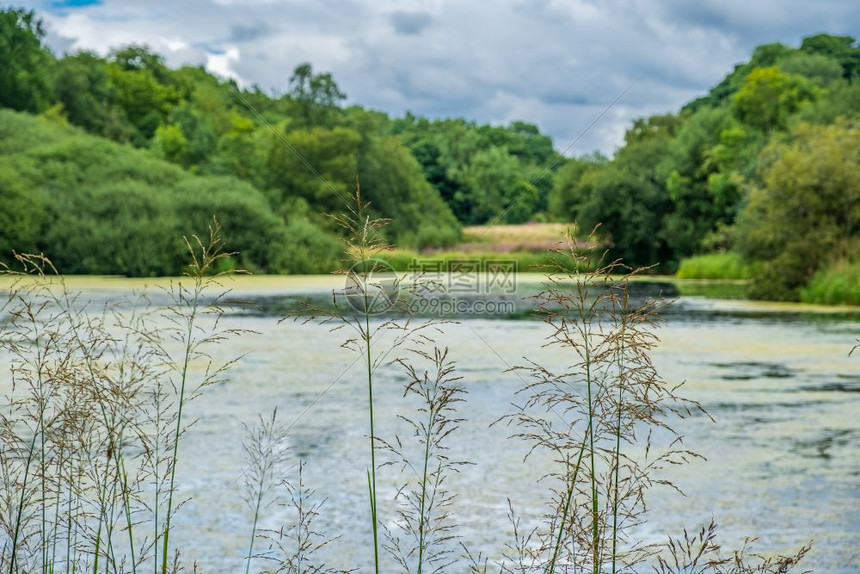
581	70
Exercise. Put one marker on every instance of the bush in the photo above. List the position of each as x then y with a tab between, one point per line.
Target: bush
308	249
835	285
727	265
97	207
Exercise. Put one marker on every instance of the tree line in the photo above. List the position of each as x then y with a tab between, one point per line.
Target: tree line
232	144
763	166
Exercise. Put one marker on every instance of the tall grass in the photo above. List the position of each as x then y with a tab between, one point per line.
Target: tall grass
424	517
92	428
593	417
419	538
265	446
364	307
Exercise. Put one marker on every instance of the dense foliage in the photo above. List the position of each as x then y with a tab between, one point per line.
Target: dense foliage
99	207
762	166
268	166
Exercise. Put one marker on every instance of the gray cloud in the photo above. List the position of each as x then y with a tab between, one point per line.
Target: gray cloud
555	63
410	23
249	32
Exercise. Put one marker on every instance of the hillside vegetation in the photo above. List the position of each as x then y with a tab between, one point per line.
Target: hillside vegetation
765	167
105	161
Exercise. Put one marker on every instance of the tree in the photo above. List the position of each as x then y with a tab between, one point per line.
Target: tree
238	152
142	89
25	72
495	181
135	58
822	70
332	153
840	48
765	55
629	208
566	198
701	185
315	94
806	213
83	87
394	185
170	143
198	131
627	196
23	215
768	97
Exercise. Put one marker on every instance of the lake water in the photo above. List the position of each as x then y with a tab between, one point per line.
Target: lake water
782	459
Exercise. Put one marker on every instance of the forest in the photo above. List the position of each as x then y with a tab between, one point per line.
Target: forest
106	162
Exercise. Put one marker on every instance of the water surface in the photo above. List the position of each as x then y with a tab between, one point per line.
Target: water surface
782	459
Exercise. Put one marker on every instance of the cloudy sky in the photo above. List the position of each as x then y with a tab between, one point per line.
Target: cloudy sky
557	63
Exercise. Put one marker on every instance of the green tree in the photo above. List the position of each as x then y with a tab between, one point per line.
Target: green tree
97	207
768	97
481	170
142	89
765	55
627	196
317	95
822	70
566	198
840	100
393	183
494	179
840	48
702	188
25	72
198	131
238	151
136	58
806	213
89	98
333	155
629	208
23	215
171	144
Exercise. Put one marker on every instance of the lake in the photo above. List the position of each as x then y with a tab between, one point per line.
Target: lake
782	459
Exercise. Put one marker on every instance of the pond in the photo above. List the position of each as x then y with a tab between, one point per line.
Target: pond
781	459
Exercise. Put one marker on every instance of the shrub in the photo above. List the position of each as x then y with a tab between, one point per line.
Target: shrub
835	285
308	249
726	265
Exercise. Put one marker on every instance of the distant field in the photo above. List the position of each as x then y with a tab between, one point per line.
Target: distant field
506	238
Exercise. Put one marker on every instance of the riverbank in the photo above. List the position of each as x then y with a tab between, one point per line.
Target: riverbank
730	292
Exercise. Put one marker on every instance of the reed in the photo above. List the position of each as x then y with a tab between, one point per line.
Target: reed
425	515
265	447
92	427
371	296
724	265
592	415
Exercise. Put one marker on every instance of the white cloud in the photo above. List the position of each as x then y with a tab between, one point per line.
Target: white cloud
222	64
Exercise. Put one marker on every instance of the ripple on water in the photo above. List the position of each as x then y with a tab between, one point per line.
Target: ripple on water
745	371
